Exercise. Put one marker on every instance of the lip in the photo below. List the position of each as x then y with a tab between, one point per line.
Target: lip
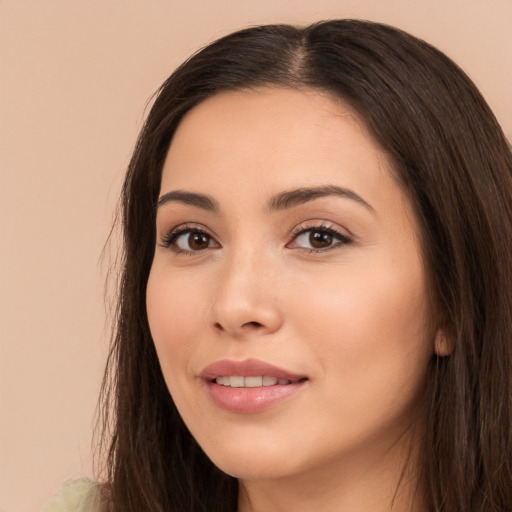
247	368
250	400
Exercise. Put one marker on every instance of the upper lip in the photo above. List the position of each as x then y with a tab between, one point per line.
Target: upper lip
247	368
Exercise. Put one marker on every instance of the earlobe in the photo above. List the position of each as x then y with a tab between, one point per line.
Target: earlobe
442	345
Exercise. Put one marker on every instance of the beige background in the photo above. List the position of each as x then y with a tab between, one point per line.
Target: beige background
74	79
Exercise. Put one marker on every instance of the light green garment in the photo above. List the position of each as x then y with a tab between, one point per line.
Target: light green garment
81	495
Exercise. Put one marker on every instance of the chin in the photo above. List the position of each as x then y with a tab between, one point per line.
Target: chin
252	461
251	470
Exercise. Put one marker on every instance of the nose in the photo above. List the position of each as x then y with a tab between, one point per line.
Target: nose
245	301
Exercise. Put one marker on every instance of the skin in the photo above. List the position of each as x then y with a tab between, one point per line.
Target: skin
353	316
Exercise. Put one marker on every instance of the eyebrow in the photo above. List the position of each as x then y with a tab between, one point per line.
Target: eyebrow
281	201
300	196
191	198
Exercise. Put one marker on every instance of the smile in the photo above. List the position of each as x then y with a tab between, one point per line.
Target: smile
238	381
250	386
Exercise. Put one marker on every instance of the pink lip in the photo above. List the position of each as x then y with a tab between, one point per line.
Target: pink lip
249	400
247	368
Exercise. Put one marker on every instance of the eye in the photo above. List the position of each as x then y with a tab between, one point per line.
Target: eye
318	238
189	240
194	241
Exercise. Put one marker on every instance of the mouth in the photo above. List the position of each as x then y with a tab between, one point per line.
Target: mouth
239	381
250	386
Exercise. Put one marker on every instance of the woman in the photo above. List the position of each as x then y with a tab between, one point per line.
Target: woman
315	308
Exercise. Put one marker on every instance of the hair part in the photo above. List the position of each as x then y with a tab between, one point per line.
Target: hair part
450	156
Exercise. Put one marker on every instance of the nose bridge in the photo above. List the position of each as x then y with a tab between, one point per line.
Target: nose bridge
245	296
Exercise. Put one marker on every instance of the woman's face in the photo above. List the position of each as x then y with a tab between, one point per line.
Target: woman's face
288	265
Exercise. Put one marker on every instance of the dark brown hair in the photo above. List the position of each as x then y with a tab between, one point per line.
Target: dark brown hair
452	159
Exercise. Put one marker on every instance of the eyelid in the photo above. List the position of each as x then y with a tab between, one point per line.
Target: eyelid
322	226
168	237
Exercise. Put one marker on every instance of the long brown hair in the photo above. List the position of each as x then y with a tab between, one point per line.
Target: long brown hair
452	159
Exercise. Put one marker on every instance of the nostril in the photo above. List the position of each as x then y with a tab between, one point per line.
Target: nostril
237	329
252	324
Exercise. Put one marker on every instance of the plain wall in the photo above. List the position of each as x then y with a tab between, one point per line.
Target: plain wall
74	79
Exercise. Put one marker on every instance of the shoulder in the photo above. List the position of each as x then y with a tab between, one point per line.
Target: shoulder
81	495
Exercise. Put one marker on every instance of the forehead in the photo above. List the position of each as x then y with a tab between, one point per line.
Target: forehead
270	134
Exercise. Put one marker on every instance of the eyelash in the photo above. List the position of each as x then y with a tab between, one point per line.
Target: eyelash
170	238
301	229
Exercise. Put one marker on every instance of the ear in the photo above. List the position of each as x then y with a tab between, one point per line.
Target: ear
442	344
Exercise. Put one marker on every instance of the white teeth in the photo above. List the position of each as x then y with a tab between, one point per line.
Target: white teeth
253	382
269	381
238	381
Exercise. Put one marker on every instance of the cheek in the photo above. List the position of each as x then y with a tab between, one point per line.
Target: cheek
174	316
363	306
370	334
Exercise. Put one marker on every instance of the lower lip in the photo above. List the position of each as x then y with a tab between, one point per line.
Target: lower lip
251	400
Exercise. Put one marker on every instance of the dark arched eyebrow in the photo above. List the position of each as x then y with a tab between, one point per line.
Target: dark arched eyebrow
299	196
281	201
191	198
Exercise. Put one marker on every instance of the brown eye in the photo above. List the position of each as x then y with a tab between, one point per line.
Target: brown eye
320	239
198	241
191	241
